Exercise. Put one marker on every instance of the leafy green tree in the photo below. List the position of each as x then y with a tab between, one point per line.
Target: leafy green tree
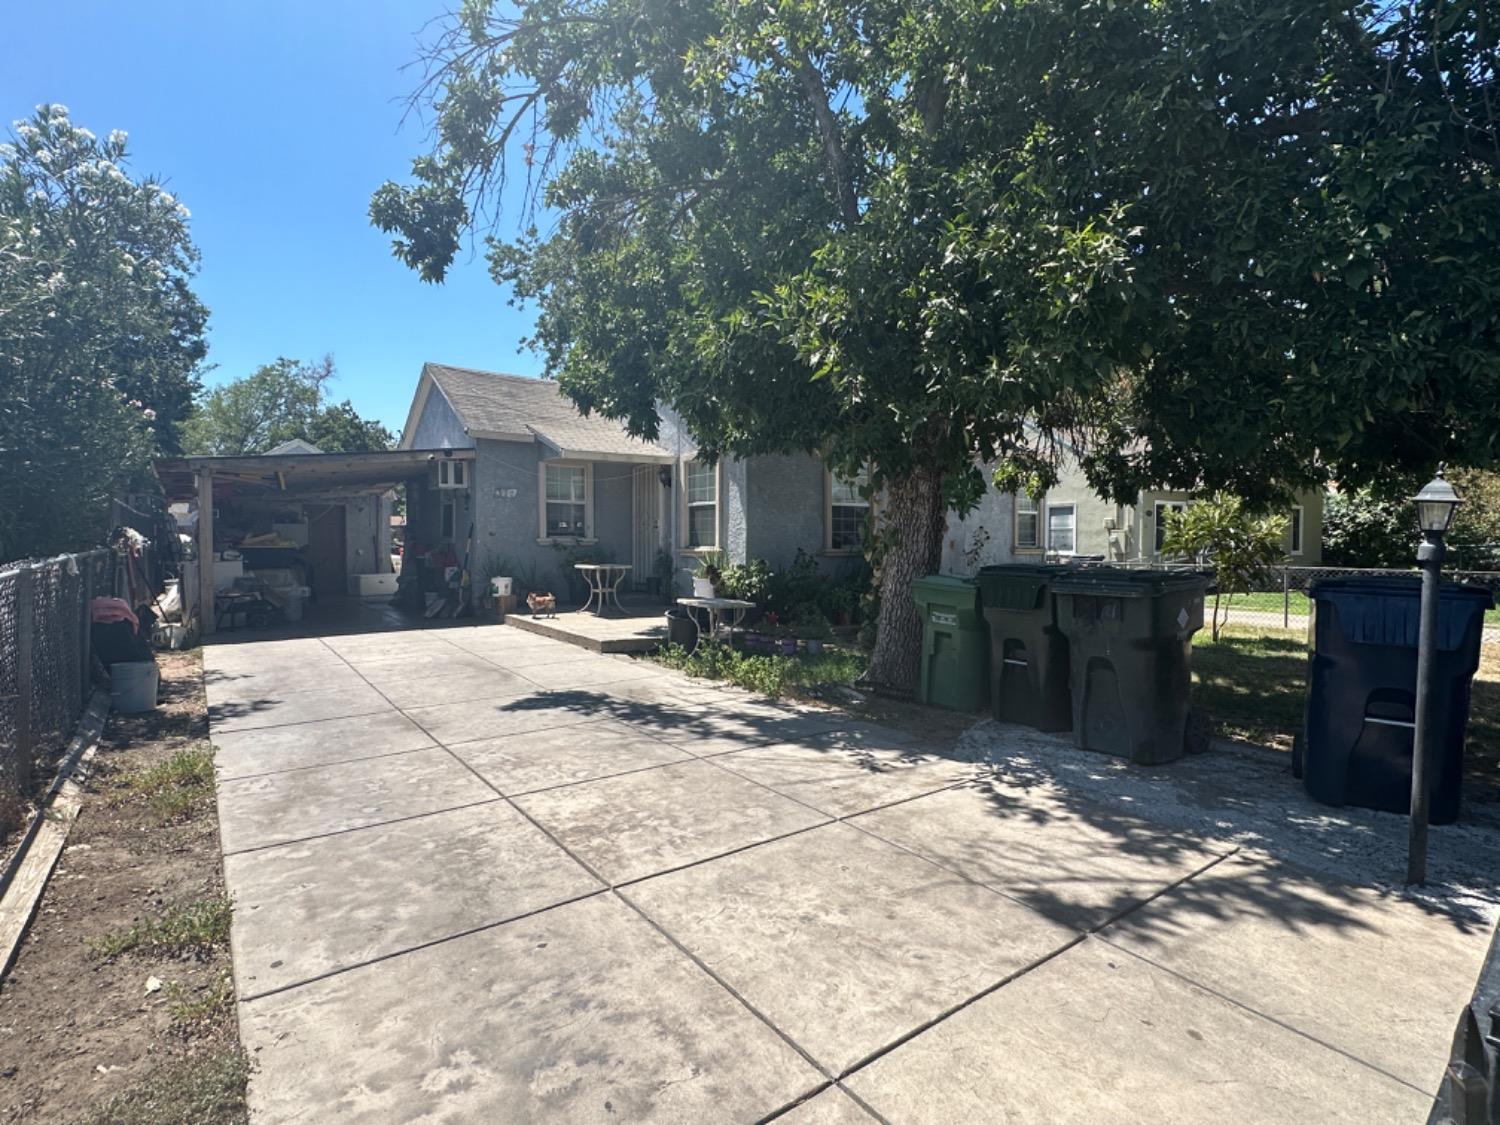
275	403
919	235
1241	545
1475	536
100	333
1362	529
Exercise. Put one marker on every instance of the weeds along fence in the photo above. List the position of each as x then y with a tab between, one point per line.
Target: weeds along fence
45	658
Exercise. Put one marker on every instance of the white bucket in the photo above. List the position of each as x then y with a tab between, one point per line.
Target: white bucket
292	611
703	587
500	587
133	686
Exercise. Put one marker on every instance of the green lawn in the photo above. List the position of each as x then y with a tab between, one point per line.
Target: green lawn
1254	688
1297	604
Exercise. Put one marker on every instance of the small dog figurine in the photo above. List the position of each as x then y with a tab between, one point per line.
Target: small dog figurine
541	604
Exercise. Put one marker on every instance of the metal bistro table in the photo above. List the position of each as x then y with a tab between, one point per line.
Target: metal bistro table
716	609
604	584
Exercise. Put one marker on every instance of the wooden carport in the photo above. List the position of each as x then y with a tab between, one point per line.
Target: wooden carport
203	480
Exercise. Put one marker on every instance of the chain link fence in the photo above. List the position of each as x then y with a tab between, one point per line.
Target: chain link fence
45	658
1281	605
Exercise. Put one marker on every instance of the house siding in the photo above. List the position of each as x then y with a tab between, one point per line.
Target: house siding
785	500
439	427
993	517
1133	538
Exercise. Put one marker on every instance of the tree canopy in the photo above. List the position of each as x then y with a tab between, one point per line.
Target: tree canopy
100	333
1216	246
275	403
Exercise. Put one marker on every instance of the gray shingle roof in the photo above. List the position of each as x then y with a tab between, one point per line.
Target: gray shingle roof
488	402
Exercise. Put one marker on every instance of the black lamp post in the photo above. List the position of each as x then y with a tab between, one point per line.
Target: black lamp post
1436	505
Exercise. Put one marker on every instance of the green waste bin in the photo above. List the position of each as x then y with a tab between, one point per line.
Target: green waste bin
954	653
1028	651
1130	636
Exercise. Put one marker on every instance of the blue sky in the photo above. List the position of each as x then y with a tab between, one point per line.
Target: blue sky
273	122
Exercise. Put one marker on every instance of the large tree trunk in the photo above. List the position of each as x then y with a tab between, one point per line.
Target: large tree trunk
912	521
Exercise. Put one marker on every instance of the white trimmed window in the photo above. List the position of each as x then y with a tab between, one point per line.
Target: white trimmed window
1162	508
848	511
452	473
567	500
1028	523
1294	529
701	498
1062	529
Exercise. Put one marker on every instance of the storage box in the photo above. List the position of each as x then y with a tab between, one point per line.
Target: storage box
372	585
506	603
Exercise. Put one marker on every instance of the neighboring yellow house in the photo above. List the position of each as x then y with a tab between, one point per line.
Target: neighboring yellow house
1072	520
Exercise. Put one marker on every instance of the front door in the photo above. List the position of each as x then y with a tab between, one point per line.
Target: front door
647	537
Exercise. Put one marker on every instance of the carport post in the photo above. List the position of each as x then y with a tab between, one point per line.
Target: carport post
206	551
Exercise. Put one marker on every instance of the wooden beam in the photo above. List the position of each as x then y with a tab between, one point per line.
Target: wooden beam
206	551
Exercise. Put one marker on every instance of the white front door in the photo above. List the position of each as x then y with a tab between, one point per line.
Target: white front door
647	511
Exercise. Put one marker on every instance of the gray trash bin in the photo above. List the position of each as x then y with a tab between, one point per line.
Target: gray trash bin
1130	639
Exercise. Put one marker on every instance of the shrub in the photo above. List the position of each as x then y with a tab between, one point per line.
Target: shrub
1239	544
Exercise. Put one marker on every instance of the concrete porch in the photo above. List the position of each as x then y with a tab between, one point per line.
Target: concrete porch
641	627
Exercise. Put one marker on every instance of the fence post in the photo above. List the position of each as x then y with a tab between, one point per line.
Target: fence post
25	626
86	631
1286	597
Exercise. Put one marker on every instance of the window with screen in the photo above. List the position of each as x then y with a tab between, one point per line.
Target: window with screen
701	490
1028	522
1162	508
566	514
848	511
1062	529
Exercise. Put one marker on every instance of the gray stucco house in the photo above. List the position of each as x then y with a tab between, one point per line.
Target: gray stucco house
1074	520
546	483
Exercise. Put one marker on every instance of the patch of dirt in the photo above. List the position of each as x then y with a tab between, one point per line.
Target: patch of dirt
87	1036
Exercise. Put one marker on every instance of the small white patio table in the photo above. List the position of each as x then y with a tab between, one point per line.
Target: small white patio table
604	583
717	609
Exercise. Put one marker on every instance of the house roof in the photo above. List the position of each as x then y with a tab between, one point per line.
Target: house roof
301	474
296	445
517	408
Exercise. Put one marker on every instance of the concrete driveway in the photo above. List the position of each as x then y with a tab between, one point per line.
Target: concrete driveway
485	876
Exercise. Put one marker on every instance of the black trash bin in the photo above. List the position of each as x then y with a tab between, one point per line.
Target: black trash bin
1356	744
1130	639
682	630
1028	651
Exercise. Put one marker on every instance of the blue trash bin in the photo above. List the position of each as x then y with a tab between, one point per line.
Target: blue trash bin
1356	745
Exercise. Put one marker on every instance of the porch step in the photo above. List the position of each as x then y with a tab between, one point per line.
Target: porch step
596	634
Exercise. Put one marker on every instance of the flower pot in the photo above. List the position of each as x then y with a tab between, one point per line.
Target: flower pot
703	587
500	587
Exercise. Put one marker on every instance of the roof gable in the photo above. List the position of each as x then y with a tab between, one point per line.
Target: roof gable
518	408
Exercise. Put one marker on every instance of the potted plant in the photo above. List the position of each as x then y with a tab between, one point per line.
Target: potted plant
814	633
708	575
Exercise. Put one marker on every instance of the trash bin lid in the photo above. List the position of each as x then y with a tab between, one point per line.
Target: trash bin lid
944	588
1015	585
1122	582
1386	609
